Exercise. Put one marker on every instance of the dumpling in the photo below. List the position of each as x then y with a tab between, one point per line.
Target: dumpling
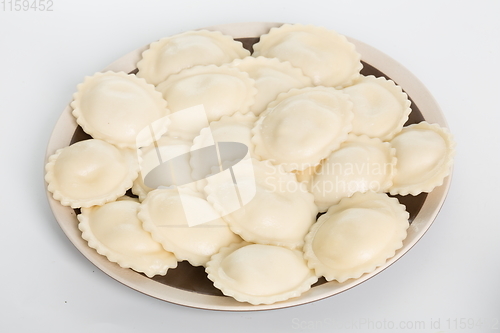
185	224
260	274
234	128
380	109
173	151
229	129
272	77
274	218
172	54
276	209
221	90
425	157
360	164
115	232
356	236
116	107
302	127
90	172
324	55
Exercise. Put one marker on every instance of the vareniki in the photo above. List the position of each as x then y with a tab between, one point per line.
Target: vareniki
248	149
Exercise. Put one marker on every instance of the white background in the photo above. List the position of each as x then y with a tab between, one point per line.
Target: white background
453	47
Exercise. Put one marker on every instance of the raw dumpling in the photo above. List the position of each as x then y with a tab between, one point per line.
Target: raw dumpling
425	157
302	127
360	164
185	224
324	55
356	236
116	107
172	54
235	128
229	129
90	172
272	77
166	150
221	90
260	274
380	107
265	205
115	232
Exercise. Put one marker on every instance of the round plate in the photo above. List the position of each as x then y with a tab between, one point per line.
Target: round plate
189	286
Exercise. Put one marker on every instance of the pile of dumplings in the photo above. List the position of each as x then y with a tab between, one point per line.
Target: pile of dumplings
323	140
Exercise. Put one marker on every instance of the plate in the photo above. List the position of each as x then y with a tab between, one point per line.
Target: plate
188	285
